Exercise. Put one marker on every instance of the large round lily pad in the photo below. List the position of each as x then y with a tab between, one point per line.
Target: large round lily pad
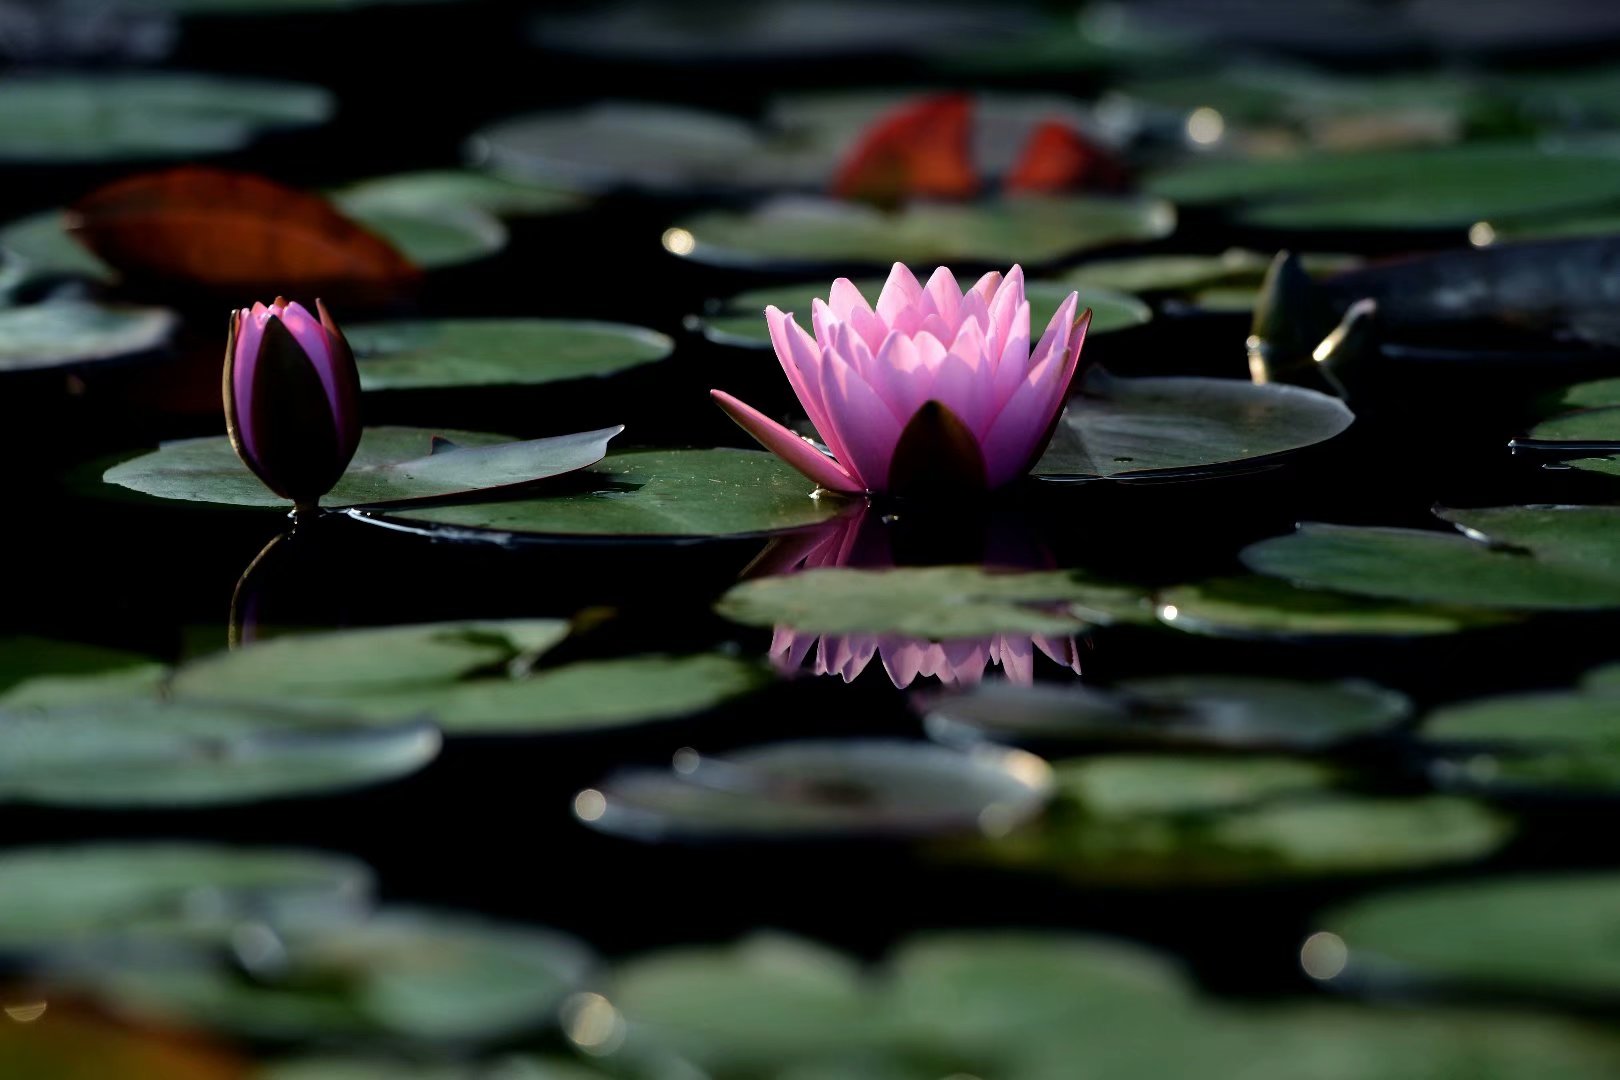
476	678
90	893
431	237
935	603
143	752
1262	607
499	196
1559	743
1420	188
1161	820
740	321
1194	710
804	790
805	232
1530	936
446	353
1129	428
404	974
44	673
64	119
69	333
1428	567
393	464
649	493
40	248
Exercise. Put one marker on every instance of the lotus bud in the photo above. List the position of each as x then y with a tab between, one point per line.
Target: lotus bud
292	399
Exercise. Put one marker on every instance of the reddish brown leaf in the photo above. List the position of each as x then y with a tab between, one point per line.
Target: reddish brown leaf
922	148
236	233
1058	158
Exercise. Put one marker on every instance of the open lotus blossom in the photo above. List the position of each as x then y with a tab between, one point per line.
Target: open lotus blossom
953	663
933	390
292	398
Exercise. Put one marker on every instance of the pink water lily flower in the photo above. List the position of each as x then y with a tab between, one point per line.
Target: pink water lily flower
934	390
954	663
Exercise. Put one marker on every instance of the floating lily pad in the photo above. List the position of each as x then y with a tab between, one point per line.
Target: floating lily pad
1256	606
447	353
1143	821
393	464
69	333
1428	567
1127	428
1581	537
42	673
404	974
818	232
1417	188
650	493
1206	710
69	119
740	321
821	789
614	144
1533	937
935	603
457	188
1549	742
143	752
469	678
89	893
358	1068
1594	425
430	237
1235	269
42	249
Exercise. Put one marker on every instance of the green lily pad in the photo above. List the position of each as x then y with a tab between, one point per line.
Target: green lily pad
1428	567
70	333
1598	393
1549	742
1532	936
358	1068
42	249
1129	428
430	237
1145	821
1593	425
820	789
1192	710
649	493
614	144
1234	274
446	353
82	118
89	893
937	603
1416	188
149	753
454	188
404	974
1262	607
393	464
740	321
820	232
468	678
42	673
1579	537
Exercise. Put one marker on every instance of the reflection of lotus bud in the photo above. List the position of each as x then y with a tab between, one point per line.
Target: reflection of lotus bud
292	398
953	663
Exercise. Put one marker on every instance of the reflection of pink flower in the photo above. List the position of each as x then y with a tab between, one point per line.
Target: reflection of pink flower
935	389
953	663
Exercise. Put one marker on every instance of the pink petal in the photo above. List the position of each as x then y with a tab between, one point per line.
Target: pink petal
845	299
311	337
1017	659
870	327
1030	412
965	390
1013	362
1060	650
1004	311
1057	331
901	291
903	660
249	336
800	358
944	295
864	423
820	468
987	285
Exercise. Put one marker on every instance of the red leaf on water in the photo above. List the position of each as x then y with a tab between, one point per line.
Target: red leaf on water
1058	158
236	233
922	148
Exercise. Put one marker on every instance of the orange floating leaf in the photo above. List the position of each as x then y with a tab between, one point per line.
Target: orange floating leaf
1058	158
923	148
237	233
